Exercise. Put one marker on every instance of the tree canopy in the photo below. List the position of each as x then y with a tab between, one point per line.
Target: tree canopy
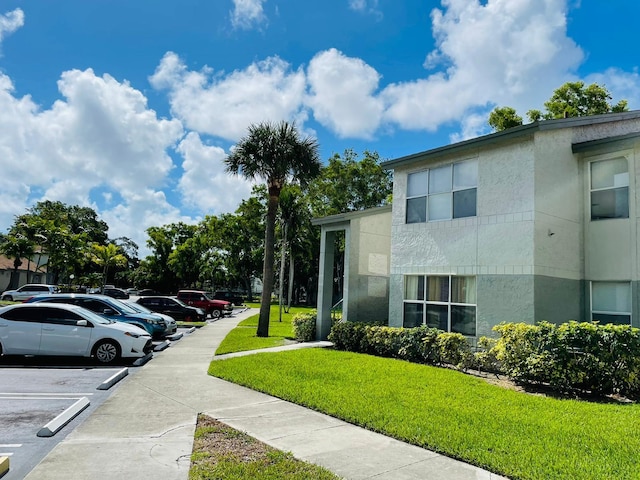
573	99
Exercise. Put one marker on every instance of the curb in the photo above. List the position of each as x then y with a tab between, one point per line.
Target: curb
112	380
54	426
142	360
162	346
4	465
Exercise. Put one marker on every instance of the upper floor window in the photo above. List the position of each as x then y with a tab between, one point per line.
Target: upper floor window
609	189
442	193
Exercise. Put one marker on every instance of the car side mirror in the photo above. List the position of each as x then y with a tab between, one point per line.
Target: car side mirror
82	323
108	311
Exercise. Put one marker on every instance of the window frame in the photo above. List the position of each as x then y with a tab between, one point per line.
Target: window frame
422	281
612	188
451	192
611	312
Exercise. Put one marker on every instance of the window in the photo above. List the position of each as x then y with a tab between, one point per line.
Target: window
442	193
609	189
444	302
611	302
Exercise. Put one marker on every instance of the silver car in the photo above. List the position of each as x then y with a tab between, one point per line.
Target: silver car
68	330
29	290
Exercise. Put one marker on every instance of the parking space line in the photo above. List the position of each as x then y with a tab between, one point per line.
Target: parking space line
37	395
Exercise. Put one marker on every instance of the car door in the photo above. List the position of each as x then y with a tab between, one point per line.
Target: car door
61	334
173	309
20	331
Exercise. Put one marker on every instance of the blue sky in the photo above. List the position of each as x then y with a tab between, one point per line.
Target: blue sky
131	106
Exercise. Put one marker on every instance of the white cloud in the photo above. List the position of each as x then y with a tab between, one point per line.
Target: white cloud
225	105
343	94
101	138
247	13
502	51
205	184
10	22
622	85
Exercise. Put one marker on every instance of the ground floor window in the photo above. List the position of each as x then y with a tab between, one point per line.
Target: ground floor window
446	302
611	302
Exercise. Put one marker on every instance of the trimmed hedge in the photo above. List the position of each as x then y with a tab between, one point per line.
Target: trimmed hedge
602	359
587	357
420	344
304	326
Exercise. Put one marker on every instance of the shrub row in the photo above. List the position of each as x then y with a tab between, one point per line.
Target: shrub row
420	344
601	359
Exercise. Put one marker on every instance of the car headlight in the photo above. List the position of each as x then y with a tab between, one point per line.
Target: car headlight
159	322
132	334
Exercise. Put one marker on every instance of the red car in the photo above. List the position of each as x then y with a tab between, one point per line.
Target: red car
201	299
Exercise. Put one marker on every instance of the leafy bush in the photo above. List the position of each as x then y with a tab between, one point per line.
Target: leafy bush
603	359
347	335
304	326
454	349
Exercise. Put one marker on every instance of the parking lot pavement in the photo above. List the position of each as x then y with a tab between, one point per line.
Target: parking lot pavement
31	396
34	391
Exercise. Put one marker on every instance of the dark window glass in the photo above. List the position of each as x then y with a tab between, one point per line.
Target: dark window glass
464	203
59	316
417	210
463	320
616	319
412	315
23	315
437	317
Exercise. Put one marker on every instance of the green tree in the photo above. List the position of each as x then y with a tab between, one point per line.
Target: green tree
277	154
573	99
64	233
348	184
502	118
239	239
107	256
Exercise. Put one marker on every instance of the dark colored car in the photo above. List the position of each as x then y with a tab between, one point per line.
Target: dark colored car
202	300
112	309
229	296
173	307
115	293
147	291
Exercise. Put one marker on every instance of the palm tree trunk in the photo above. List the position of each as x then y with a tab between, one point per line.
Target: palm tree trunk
267	268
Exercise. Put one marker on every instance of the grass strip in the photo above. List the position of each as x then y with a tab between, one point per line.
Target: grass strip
221	452
519	435
243	337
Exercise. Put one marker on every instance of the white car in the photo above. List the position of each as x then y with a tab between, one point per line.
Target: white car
27	291
68	330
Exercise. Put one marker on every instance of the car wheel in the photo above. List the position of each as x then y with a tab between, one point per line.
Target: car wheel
216	313
7	298
106	352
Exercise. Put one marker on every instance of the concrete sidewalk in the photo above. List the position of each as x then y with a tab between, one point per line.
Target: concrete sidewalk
145	429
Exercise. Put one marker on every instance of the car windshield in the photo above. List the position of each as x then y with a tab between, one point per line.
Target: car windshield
138	308
180	302
207	296
123	307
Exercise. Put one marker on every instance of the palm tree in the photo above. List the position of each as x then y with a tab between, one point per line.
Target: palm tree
275	153
107	256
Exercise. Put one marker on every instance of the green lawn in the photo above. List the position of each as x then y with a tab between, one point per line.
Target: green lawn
518	435
243	337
